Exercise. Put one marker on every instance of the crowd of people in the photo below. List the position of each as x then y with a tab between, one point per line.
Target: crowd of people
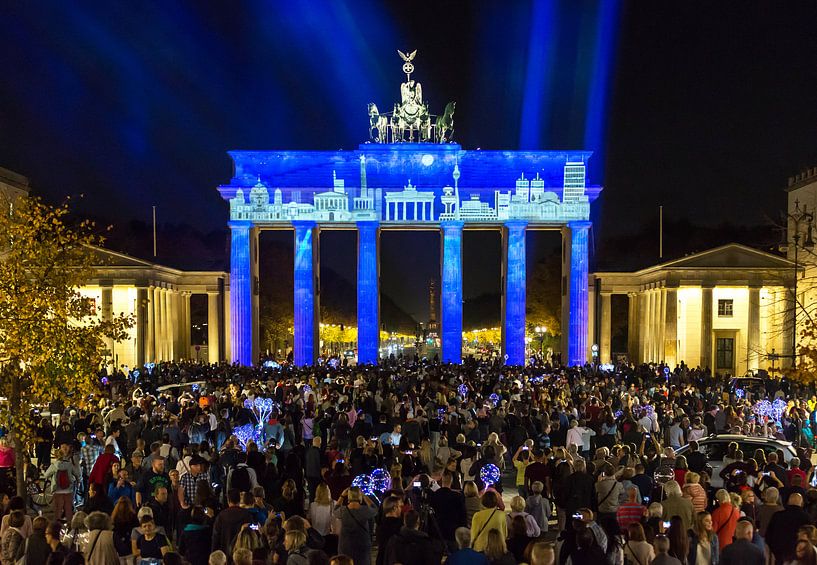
476	463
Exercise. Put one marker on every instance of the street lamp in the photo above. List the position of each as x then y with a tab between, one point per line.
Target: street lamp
799	218
541	331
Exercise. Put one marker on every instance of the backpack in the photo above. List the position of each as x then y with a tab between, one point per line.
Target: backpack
63	479
241	479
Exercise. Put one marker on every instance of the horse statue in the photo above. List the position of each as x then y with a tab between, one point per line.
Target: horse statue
378	125
445	123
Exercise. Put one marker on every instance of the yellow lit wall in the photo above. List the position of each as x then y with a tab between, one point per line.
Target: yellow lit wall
689	325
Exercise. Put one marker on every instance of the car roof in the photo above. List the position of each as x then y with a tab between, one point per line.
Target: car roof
747	439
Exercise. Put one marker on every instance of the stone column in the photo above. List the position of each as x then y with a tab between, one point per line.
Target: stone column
107	316
513	298
368	292
451	291
671	327
213	328
605	331
579	258
158	320
643	327
632	326
241	293
142	309
171	323
753	335
307	305
186	334
150	337
706	328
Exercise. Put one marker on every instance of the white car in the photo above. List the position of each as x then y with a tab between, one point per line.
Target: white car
715	447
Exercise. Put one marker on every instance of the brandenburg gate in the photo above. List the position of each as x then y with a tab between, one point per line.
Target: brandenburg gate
409	176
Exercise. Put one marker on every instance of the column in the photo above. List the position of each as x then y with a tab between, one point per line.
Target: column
514	272
186	334
579	258
142	309
307	306
107	316
241	293
643	328
632	326
228	332
662	307
150	337
605	346
170	326
706	328
753	336
451	292
415	212
368	292
671	326
213	328
158	320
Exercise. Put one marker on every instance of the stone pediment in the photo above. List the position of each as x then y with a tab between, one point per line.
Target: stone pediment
733	256
107	258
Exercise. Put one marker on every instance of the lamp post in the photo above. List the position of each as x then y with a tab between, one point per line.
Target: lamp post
541	331
797	218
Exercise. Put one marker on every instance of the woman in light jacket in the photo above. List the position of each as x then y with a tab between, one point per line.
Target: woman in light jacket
704	548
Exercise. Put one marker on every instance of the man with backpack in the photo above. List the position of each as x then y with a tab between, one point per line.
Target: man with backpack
242	477
64	474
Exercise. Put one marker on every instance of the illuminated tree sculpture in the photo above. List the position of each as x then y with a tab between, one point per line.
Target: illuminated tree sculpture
52	344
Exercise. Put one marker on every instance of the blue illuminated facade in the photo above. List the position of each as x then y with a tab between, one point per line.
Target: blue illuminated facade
513	304
409	186
451	292
306	298
241	293
368	293
579	323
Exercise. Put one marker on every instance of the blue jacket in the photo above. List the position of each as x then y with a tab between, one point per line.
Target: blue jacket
714	548
115	493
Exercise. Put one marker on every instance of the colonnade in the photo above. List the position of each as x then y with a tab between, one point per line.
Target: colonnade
244	291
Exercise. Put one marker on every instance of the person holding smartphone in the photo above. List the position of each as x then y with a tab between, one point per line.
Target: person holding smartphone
521	459
354	511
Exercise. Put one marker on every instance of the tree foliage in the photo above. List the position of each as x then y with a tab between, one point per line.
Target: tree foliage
52	339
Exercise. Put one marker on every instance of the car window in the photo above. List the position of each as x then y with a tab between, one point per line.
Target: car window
715	450
749	449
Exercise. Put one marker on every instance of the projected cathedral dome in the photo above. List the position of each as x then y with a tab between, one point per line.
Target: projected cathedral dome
409	175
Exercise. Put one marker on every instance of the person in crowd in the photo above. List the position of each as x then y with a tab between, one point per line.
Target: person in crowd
724	518
64	475
229	521
661	547
411	546
675	504
704	546
781	532
485	520
742	551
354	511
636	548
100	548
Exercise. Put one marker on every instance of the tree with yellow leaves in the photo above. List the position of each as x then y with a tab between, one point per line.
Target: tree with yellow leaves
51	339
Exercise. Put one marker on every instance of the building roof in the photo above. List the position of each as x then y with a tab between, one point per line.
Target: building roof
728	264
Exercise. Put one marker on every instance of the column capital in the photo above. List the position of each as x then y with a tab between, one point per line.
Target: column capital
240	224
516	224
304	224
579	224
450	225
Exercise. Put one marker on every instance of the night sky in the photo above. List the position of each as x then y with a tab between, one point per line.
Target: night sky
704	107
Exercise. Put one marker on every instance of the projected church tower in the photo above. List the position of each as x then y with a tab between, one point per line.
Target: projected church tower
409	175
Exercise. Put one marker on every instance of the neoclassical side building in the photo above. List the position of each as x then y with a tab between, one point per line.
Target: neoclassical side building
158	297
724	308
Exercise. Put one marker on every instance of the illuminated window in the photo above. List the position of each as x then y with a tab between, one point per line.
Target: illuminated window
725	308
